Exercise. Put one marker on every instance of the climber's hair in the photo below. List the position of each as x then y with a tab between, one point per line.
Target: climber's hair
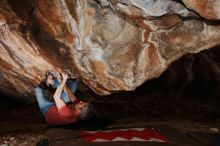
87	112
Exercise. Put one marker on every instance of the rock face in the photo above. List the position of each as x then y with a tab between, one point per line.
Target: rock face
208	9
112	45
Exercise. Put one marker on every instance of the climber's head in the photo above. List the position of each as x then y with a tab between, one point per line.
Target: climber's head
84	110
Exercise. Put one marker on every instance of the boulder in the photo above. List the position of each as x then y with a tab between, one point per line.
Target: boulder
112	45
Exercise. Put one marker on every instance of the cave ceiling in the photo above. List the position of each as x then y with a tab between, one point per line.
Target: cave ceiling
112	45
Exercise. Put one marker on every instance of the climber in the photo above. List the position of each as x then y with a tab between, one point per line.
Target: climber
57	102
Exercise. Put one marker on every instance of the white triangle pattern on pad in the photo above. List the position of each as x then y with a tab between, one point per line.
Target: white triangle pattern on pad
124	139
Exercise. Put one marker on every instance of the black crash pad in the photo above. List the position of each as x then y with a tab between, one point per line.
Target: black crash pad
203	138
70	136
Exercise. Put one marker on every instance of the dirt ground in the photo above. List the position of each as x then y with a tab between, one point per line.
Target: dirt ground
22	137
31	134
23	125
